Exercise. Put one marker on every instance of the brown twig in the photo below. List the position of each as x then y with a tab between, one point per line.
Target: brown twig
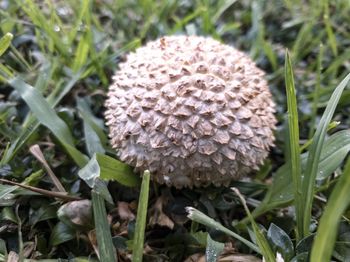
36	151
44	192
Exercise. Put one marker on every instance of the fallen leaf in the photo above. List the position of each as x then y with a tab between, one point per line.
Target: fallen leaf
28	249
93	241
124	211
230	255
198	257
238	258
77	214
158	217
12	257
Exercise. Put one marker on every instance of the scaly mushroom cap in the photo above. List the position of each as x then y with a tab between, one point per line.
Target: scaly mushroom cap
192	111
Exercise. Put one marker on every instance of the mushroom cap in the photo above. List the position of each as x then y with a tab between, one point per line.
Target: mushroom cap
192	111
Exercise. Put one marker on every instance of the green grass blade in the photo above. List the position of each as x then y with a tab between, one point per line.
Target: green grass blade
304	37
62	90
89	119
293	124
280	193
42	110
270	54
48	117
139	237
103	233
92	141
5	73
199	217
85	43
182	22
316	93
112	169
336	64
38	18
333	153
82	52
84	16
213	250
331	37
128	47
315	152
261	240
6	190
20	59
108	168
61	233
31	124
21	139
5	42
328	228
222	9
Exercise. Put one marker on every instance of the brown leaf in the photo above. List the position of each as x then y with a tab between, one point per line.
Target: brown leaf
77	213
198	257
124	211
158	217
230	254
29	248
93	241
238	258
12	257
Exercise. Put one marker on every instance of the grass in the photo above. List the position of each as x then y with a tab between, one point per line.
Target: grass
141	219
327	231
294	145
56	63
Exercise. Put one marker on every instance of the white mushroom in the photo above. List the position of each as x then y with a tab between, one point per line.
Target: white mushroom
191	110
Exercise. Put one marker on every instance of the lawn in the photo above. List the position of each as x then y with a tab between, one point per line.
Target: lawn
65	195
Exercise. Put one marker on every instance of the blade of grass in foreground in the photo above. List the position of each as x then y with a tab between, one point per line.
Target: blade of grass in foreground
103	233
260	238
31	124
280	193
42	110
213	249
141	219
293	125
199	217
315	153
48	117
327	231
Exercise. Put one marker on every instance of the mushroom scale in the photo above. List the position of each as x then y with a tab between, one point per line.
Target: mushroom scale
192	111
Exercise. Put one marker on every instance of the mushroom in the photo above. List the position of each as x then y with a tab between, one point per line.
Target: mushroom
190	110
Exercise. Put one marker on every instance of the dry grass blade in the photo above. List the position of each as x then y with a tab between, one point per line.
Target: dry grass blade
43	192
199	217
36	151
261	240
